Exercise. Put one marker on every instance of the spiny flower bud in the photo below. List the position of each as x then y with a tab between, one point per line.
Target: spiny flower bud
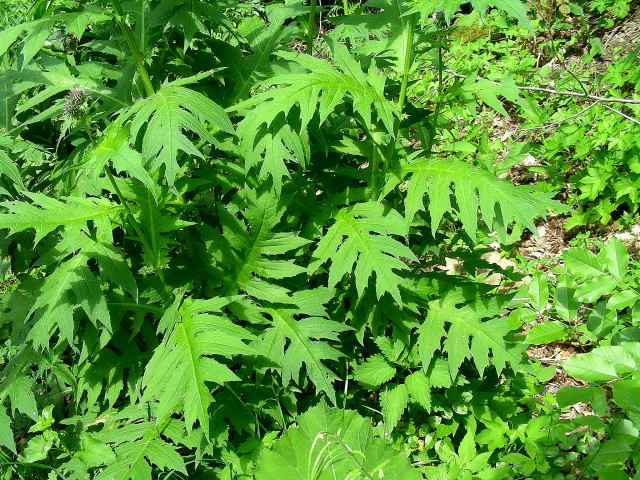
69	109
75	99
77	96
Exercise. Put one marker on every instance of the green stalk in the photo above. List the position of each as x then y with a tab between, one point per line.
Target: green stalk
145	243
408	60
125	204
5	68
311	29
133	47
433	123
409	30
376	157
345	6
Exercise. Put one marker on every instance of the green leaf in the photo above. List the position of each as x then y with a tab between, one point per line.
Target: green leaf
565	301
306	345
622	300
113	266
582	263
387	24
438	373
419	389
467	449
546	332
38	31
168	113
20	391
626	394
539	291
569	395
38	447
514	8
56	308
6	435
617	257
467	328
56	78
114	147
500	203
613	451
394	401
94	453
488	92
246	70
8	168
328	444
593	289
46	214
374	371
322	88
182	363
361	235
135	445
589	367
254	247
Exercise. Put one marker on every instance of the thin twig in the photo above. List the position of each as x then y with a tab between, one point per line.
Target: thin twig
555	124
556	92
622	114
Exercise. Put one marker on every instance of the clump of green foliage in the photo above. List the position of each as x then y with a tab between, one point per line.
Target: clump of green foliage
223	253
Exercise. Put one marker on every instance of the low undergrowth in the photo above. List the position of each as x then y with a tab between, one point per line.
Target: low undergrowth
270	240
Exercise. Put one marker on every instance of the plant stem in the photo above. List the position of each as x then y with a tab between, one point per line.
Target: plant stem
88	132
376	157
132	220
433	124
124	203
5	68
345	6
139	233
408	60
133	47
311	28
409	30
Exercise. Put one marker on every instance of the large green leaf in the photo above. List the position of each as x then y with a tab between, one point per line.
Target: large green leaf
182	363
394	401
361	235
38	31
254	247
500	203
137	445
46	214
54	307
329	444
617	257
546	332
114	147
9	168
168	114
322	89
374	371
601	364
539	291
6	435
291	343
388	24
476	328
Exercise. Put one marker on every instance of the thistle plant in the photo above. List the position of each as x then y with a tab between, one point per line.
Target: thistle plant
237	233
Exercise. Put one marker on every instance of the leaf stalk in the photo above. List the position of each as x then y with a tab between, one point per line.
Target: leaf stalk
311	28
133	47
387	158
